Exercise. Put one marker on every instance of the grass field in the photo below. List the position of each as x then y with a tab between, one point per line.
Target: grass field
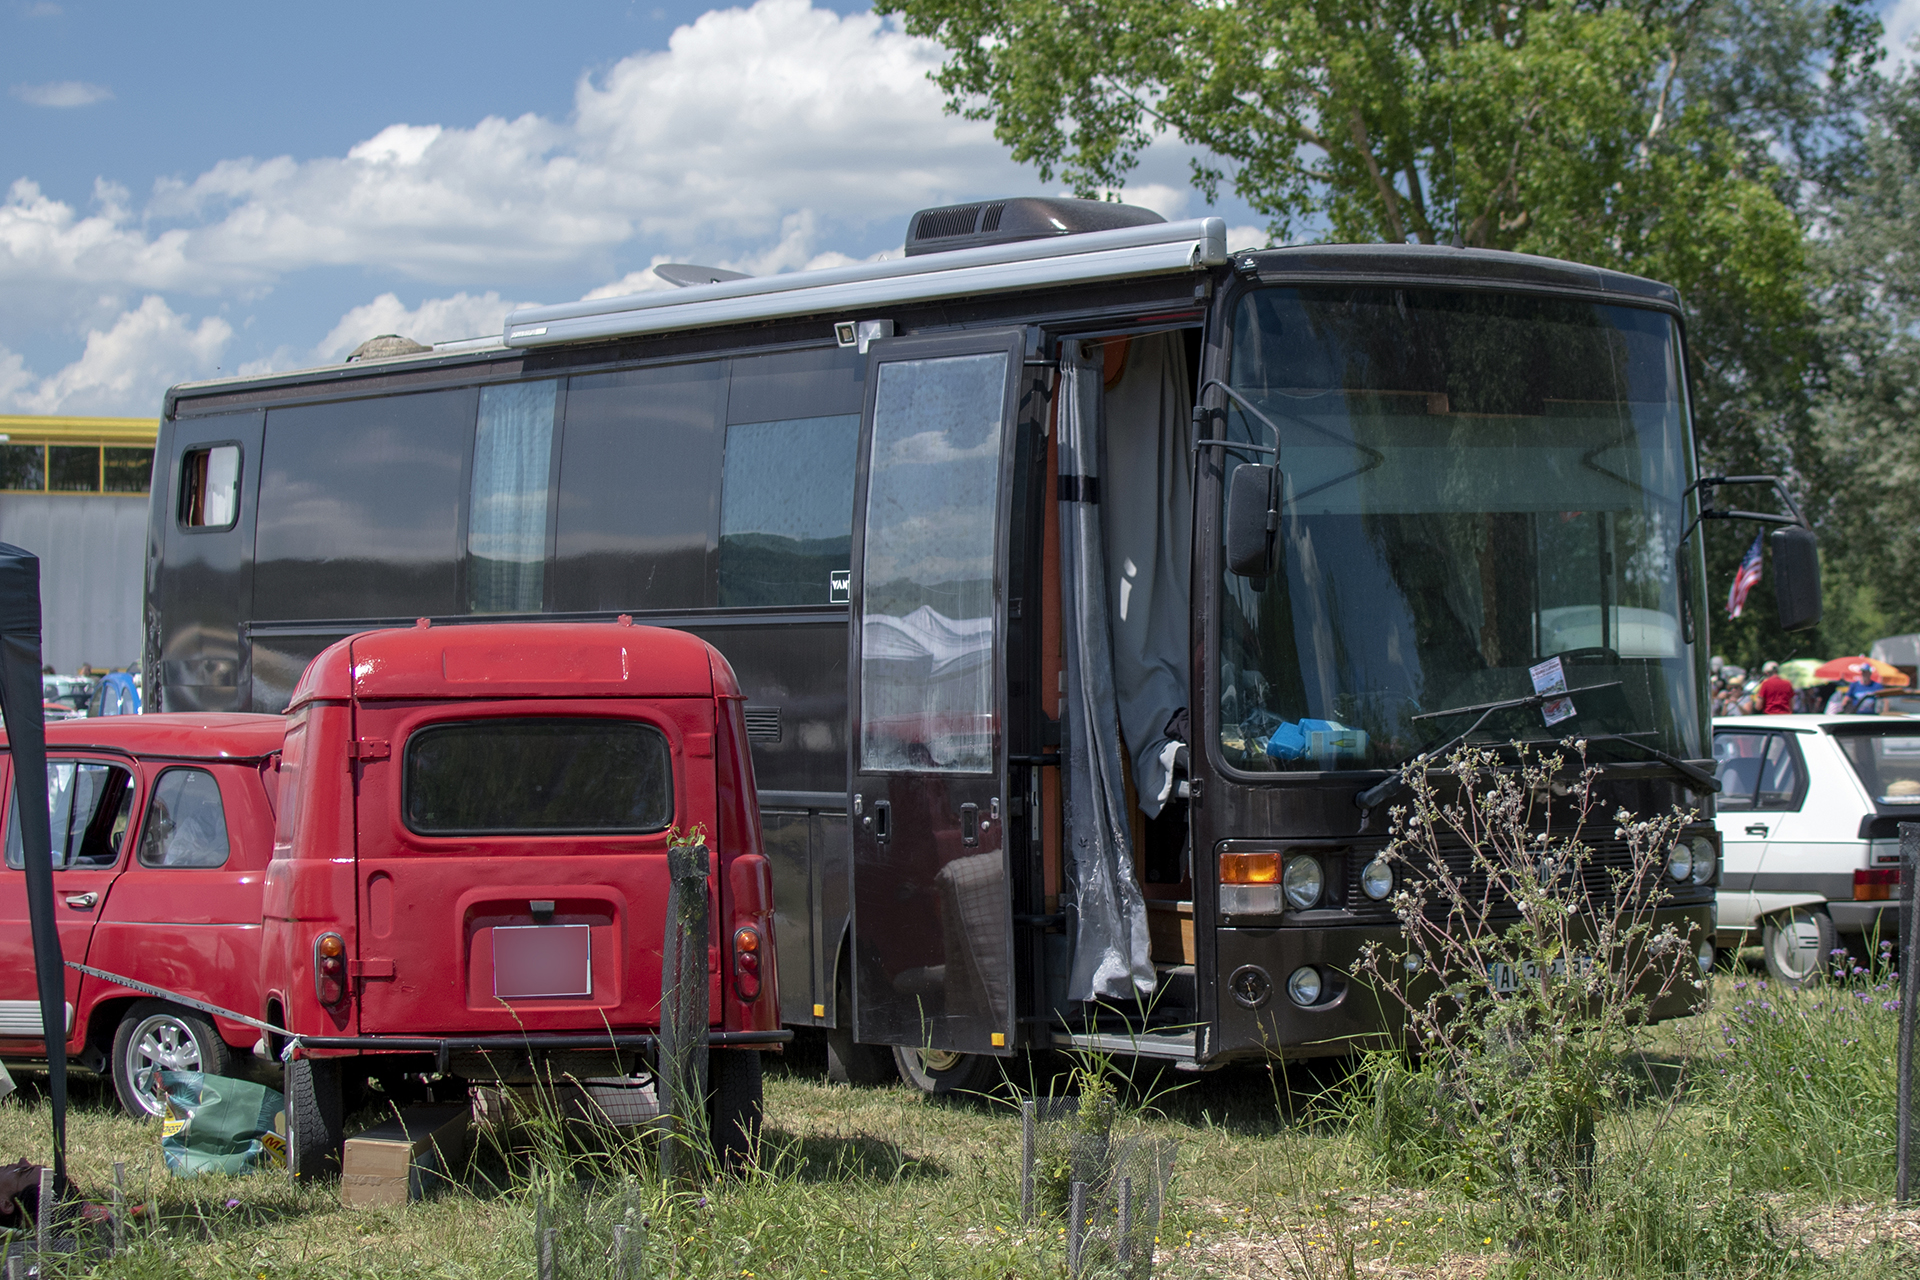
1269	1182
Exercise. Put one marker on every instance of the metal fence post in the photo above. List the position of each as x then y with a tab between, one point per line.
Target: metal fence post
1076	1228
43	1218
1909	916
119	1206
1026	1160
683	1013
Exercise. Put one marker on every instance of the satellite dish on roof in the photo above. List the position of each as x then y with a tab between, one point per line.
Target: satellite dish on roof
685	274
385	347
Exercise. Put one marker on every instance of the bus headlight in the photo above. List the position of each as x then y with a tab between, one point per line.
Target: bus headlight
1376	879
1705	859
1303	985
1302	882
1680	861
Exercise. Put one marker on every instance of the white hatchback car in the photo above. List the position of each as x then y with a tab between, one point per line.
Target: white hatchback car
1808	813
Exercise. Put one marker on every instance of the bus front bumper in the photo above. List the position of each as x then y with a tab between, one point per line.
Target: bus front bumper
1258	1018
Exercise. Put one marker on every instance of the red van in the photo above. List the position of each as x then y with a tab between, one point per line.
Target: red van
469	871
162	831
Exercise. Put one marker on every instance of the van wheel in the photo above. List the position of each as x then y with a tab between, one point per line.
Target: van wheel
939	1072
156	1036
736	1100
1798	944
316	1125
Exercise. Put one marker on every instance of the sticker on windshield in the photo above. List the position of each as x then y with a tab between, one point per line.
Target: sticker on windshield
1551	677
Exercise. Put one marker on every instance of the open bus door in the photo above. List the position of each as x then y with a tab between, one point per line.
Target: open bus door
932	908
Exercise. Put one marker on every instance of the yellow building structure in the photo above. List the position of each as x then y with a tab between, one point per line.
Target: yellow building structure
74	492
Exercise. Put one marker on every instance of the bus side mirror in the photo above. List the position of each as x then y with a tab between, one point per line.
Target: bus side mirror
1796	577
1253	518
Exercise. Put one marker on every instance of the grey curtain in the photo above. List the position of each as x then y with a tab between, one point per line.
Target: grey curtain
1146	510
1110	954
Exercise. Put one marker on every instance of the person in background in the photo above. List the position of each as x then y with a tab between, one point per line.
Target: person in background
1774	697
1864	686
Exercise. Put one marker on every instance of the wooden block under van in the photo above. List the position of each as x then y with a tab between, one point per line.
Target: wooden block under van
1170	932
399	1160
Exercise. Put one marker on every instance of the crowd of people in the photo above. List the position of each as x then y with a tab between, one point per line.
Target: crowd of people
1737	693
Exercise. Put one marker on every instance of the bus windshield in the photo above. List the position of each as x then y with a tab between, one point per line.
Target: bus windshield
1482	496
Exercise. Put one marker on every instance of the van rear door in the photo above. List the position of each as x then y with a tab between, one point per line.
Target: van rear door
511	860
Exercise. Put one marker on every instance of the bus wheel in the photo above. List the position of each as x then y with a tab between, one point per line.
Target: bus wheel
940	1072
316	1125
735	1101
155	1037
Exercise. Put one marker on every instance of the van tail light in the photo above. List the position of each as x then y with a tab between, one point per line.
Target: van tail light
1876	885
330	969
746	963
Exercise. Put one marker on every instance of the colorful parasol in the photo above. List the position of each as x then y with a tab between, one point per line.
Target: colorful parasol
1851	669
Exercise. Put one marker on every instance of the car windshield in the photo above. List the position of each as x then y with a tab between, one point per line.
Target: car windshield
1474	484
1887	758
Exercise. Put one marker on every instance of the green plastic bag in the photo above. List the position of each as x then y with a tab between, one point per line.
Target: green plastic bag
215	1124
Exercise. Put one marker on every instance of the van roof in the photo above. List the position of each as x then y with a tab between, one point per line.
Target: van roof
184	735
516	660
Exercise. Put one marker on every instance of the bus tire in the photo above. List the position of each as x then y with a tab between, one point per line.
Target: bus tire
316	1123
736	1100
162	1036
938	1073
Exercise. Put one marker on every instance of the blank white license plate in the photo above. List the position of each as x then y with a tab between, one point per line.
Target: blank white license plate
534	960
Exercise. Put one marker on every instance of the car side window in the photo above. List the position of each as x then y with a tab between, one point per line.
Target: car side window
1780	775
186	824
1737	758
90	806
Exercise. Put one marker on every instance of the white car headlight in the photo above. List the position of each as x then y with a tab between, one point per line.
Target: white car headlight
1705	860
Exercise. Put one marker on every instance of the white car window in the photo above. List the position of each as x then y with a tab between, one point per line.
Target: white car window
1780	775
1736	763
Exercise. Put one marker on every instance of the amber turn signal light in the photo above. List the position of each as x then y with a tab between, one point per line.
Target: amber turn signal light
746	963
1876	885
330	969
1249	868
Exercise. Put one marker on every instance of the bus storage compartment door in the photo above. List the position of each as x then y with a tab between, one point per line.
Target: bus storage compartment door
933	924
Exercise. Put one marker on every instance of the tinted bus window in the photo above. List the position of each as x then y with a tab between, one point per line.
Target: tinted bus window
507	520
820	383
210	487
786	511
548	776
639	489
360	507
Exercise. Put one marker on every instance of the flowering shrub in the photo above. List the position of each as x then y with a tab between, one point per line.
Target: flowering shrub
1527	968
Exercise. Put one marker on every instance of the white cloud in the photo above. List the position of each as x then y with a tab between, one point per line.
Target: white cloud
125	368
62	93
1902	21
435	320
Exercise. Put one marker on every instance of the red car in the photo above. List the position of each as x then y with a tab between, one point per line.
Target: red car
469	873
162	832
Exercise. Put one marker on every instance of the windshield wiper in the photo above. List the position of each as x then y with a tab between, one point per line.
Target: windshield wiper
1391	785
1692	771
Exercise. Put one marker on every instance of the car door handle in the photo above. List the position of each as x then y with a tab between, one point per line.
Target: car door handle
1756	828
82	901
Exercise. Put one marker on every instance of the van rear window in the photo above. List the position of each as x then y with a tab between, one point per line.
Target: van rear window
555	776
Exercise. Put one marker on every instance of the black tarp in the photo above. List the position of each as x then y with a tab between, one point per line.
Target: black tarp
20	701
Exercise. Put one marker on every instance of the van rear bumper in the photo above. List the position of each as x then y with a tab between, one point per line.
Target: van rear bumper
444	1047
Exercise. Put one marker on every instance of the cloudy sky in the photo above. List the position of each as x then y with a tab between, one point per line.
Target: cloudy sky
219	187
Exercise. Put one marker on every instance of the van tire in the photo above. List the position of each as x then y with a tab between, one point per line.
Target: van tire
157	1034
939	1074
316	1123
1785	939
736	1101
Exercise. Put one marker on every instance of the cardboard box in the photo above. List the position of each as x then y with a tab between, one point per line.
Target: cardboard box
1170	932
401	1159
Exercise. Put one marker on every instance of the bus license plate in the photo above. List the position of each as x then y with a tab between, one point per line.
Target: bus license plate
535	960
1508	977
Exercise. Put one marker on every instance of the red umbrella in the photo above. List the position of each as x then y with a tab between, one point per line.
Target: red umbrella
1853	668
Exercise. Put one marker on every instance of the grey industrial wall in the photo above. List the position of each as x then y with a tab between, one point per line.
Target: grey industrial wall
92	550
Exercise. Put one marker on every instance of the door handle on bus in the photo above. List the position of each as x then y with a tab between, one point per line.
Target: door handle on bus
82	901
1756	828
882	820
969	824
